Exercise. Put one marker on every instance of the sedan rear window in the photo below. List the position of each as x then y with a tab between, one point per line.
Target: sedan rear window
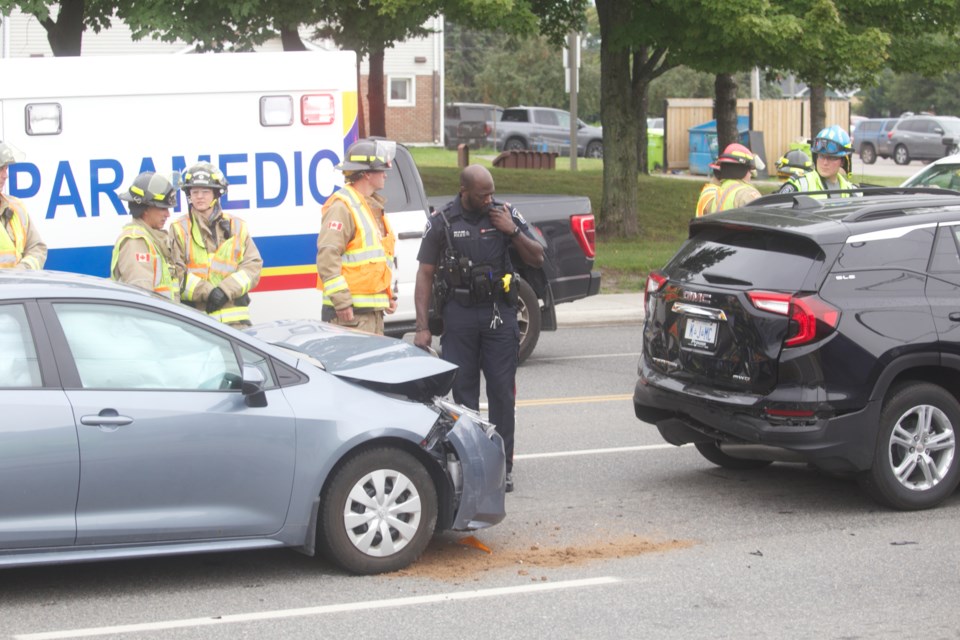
747	258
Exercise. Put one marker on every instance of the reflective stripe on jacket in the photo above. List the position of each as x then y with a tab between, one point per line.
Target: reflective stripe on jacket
365	264
163	282
214	268
706	201
811	181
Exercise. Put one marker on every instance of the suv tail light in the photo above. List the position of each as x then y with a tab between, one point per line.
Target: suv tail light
810	317
585	233
655	282
890	135
486	129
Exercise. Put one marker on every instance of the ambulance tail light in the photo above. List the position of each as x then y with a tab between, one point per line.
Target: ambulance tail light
317	108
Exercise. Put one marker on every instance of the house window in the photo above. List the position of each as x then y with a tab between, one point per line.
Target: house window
402	92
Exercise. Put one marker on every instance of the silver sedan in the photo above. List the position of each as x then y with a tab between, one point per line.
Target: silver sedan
135	427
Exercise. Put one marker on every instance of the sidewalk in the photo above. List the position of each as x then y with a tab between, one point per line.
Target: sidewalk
610	308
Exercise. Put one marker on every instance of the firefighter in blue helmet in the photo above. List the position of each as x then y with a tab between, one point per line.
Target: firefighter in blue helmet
466	266
831	149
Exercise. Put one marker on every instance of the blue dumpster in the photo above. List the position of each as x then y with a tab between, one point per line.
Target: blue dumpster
703	143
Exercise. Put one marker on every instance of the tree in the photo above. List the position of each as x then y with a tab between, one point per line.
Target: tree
73	17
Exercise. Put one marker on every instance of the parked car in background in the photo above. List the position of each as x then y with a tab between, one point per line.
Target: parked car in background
542	127
140	428
943	173
822	331
870	139
924	138
470	123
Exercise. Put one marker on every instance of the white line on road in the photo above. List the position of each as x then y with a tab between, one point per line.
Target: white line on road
590	452
316	611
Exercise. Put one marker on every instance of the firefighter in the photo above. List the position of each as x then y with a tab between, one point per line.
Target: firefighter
708	192
830	149
20	244
793	163
221	261
143	255
736	166
355	246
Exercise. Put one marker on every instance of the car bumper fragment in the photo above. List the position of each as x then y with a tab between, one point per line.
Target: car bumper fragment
483	472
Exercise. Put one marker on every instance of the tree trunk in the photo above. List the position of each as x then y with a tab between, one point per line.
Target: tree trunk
65	36
361	120
618	210
375	98
640	86
290	39
725	90
818	109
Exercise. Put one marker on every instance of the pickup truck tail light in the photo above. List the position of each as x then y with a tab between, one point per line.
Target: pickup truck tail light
810	317
585	233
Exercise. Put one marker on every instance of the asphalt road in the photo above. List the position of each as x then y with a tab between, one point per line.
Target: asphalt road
610	534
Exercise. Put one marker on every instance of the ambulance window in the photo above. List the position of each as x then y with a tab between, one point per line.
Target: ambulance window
276	111
44	119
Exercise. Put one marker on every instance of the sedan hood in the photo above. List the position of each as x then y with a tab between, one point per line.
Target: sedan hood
379	363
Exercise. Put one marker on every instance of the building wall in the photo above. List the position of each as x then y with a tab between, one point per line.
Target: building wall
415	124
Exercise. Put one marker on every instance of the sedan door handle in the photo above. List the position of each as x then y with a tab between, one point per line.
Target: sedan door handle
106	418
954	316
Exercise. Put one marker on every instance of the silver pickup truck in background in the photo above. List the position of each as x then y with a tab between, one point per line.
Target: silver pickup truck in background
545	129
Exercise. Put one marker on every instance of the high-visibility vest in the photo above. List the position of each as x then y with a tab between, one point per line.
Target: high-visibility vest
365	264
727	193
707	198
11	248
214	268
811	181
163	282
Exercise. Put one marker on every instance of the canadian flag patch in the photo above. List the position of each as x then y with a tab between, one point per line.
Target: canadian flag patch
143	257
335	225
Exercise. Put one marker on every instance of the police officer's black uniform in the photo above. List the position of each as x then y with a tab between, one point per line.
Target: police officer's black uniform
478	308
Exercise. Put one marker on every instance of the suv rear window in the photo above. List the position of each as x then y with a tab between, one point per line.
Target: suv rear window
746	258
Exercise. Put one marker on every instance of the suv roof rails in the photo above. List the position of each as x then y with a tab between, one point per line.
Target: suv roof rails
804	200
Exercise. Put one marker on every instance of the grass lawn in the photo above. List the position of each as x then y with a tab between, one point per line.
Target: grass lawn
666	204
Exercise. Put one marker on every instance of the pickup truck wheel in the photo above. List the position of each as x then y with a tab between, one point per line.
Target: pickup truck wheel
901	155
915	465
712	452
528	317
594	150
515	144
378	513
868	154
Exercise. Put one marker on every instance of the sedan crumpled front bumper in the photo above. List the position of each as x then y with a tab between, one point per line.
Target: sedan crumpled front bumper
482	470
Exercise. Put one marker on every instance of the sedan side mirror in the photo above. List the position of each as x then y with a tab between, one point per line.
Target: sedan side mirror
252	387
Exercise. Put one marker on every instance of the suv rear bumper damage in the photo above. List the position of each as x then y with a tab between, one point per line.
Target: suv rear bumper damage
839	443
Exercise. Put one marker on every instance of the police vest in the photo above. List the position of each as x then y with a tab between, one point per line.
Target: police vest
811	181
365	264
216	267
11	248
706	201
163	282
484	248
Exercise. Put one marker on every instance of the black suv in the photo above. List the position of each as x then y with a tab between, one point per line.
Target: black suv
815	330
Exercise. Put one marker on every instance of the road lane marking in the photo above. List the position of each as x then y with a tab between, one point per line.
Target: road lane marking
591	452
318	611
540	402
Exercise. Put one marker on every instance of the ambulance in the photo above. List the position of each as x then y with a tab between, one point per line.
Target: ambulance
275	123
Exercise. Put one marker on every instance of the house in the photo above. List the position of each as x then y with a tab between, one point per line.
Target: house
413	70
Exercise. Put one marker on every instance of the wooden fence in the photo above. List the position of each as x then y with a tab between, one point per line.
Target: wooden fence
781	121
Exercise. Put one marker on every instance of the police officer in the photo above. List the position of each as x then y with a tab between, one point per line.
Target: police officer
736	165
465	251
222	262
20	244
831	149
355	246
143	255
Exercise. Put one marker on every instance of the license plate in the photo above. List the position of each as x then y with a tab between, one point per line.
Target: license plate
700	333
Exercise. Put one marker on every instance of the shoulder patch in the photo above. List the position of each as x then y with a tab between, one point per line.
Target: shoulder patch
142	257
336	225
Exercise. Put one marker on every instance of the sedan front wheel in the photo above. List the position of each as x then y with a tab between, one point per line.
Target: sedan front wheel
379	512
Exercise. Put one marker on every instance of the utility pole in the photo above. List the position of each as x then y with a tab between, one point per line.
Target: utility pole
572	63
